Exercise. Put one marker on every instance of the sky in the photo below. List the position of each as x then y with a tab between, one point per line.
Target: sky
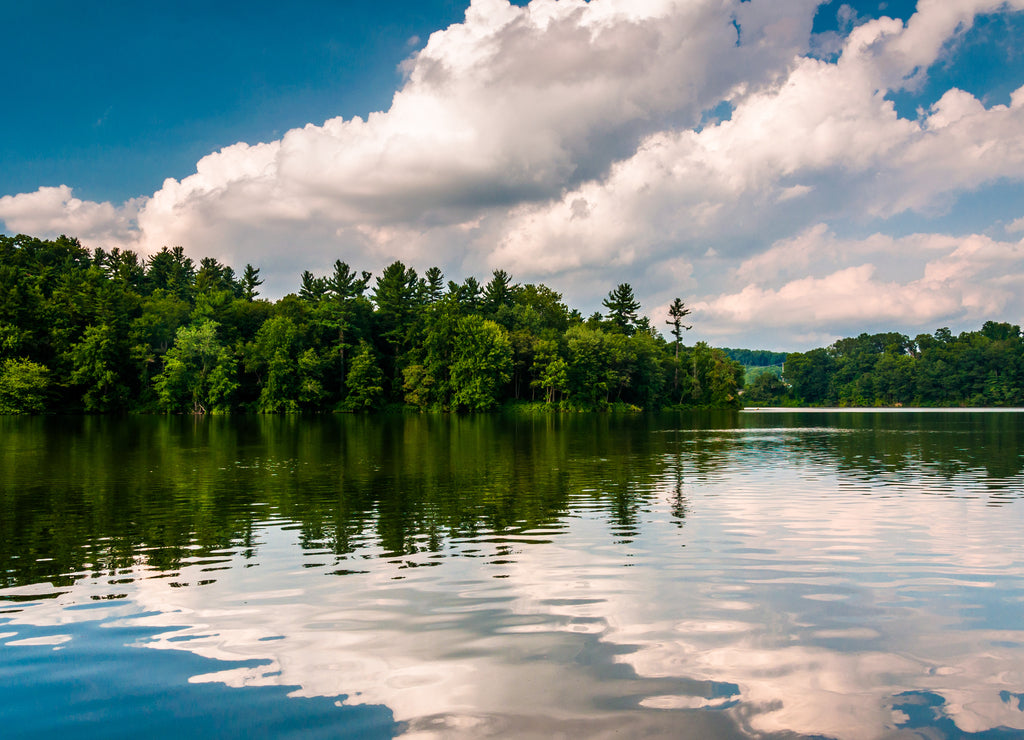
795	170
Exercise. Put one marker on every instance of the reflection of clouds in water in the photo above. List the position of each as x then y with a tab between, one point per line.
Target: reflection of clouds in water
957	456
809	612
902	557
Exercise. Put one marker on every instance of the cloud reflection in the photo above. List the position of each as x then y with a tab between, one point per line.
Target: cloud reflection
801	597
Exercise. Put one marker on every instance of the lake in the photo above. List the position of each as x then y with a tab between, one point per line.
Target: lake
824	574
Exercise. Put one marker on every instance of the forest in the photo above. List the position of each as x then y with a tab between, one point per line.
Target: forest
98	331
974	368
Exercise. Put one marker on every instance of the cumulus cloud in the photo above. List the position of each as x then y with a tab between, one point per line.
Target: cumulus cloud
54	210
573	142
846	286
823	141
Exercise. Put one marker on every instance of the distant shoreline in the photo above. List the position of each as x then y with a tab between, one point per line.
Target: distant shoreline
880	409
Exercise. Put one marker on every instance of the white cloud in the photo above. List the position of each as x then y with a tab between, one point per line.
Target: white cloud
848	286
562	141
55	210
824	140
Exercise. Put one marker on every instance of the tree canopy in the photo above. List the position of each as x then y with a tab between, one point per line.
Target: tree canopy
976	368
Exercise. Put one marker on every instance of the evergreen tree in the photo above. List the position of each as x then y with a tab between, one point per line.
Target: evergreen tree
250	282
498	292
677	311
622	308
433	285
397	299
312	288
97	364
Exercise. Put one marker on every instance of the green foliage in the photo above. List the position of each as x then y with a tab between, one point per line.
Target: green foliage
810	374
713	379
97	369
753	372
23	386
768	389
432	286
677	311
250	282
498	293
464	363
589	362
365	381
622	308
980	368
755	357
171	271
481	364
273	356
199	373
312	288
107	331
550	371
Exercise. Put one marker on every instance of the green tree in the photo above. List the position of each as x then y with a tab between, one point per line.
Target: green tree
427	379
343	314
715	380
622	308
250	282
649	365
274	357
98	360
23	386
433	285
550	372
170	270
767	389
894	379
365	381
312	288
198	373
397	299
482	364
677	311
588	360
498	292
810	374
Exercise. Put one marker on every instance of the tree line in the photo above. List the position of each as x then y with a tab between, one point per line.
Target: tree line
975	368
109	331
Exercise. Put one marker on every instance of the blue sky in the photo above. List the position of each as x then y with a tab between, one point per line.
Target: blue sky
795	170
116	96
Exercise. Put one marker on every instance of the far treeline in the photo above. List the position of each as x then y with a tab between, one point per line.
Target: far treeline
976	368
98	332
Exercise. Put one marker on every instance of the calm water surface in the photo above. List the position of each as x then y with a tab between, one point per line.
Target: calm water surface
838	575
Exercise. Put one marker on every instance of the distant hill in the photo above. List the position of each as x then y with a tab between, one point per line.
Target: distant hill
755	357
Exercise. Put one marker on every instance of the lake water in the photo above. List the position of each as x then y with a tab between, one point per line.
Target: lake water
716	575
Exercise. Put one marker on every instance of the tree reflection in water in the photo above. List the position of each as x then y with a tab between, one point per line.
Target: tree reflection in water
831	574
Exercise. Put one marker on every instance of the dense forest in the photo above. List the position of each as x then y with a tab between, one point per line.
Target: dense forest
108	331
976	368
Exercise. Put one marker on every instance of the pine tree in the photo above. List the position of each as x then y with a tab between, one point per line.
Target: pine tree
622	308
677	311
250	281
